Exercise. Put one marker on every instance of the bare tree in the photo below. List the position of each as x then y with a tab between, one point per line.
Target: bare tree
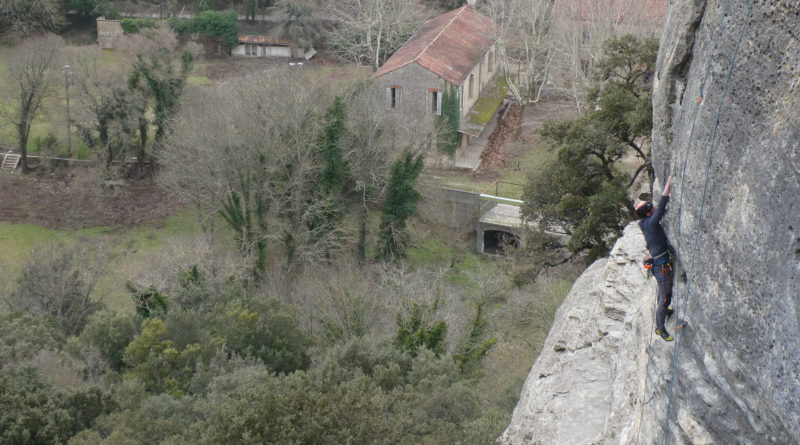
525	44
58	280
25	17
31	71
370	156
581	28
368	32
109	113
255	159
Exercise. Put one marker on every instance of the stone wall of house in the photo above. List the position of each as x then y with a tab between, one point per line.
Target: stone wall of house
413	114
481	74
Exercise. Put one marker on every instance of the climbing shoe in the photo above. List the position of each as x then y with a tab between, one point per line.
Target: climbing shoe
670	311
664	334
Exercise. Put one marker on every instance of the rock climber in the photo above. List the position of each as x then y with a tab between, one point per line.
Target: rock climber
658	246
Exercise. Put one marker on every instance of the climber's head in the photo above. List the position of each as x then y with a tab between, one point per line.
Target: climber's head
644	209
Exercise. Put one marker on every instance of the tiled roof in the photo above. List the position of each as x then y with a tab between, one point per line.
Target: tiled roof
449	45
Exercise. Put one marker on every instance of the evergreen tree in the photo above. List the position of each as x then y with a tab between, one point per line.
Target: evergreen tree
161	83
584	192
449	122
414	332
336	171
400	204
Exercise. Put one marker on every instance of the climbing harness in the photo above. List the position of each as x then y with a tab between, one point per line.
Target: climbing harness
679	332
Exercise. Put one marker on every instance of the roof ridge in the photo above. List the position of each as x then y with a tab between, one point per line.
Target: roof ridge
444	28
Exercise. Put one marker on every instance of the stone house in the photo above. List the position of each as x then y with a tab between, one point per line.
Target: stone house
109	32
265	46
455	51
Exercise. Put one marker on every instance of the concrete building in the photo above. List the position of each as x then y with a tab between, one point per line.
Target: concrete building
455	51
109	32
265	46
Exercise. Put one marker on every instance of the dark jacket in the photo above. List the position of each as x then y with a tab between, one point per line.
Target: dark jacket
654	234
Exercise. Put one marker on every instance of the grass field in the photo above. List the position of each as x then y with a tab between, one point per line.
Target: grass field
129	251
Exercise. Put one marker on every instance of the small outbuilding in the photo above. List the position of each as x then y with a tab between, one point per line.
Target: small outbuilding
109	32
266	46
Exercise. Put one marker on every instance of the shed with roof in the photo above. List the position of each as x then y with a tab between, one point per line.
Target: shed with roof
267	46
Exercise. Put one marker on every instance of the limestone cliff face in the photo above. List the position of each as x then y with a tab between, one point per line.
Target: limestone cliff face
727	128
588	384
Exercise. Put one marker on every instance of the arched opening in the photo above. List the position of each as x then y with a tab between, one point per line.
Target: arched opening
495	242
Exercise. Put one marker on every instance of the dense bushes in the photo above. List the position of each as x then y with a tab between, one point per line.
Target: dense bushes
218	359
218	30
56	281
32	411
133	26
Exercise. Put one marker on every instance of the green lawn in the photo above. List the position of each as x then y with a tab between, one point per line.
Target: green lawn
130	251
534	158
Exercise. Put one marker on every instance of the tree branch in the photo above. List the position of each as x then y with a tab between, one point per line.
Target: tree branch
636	174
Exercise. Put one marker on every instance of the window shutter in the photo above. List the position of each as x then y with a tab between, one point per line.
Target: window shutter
439	103
388	98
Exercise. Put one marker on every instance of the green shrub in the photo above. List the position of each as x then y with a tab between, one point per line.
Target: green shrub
414	331
219	28
264	330
32	411
149	302
155	359
111	332
181	26
22	336
57	280
449	122
46	144
272	409
83	152
133	26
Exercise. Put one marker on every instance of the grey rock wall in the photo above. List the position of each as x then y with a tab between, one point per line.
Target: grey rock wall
727	128
588	385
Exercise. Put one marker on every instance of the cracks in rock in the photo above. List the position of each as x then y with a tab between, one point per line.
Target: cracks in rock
586	344
795	246
679	69
614	313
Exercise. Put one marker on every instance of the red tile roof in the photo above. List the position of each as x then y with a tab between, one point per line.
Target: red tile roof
449	45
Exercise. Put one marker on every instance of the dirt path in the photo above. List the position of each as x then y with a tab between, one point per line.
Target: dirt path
503	148
74	202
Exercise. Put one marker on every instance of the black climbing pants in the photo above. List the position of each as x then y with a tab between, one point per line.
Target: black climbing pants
664	275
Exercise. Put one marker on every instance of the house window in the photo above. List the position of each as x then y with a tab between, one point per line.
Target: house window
491	61
435	101
392	97
251	49
471	85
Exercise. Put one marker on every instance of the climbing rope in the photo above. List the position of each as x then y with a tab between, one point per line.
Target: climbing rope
679	333
715	39
700	96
